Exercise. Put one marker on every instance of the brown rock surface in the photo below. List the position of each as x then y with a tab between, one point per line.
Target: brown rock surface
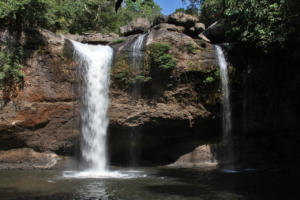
99	38
177	102
182	19
42	115
201	156
27	159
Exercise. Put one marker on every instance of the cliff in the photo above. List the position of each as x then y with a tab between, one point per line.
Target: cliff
171	116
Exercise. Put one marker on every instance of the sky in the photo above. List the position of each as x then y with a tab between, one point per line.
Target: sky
169	6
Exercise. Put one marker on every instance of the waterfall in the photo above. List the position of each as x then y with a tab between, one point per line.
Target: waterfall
94	67
137	66
94	63
137	53
226	108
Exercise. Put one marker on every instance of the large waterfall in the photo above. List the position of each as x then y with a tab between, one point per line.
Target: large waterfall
226	110
94	62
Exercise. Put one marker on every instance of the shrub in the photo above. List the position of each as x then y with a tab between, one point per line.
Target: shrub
191	48
10	70
160	59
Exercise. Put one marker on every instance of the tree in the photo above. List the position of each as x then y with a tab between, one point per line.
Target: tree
267	24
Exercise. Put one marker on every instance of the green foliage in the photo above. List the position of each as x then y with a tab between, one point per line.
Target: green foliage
118	41
211	77
191	48
11	75
267	24
75	16
125	75
159	56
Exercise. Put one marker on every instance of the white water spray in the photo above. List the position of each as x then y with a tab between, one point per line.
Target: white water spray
226	108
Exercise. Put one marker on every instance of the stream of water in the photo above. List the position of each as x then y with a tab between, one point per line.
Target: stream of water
226	112
94	62
137	65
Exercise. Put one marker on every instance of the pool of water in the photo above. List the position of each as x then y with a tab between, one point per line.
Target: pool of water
151	183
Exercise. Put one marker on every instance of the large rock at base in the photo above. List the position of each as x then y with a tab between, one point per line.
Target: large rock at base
182	19
140	25
201	156
27	159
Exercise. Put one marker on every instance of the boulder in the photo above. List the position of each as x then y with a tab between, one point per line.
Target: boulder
140	25
194	31
169	27
199	27
26	158
160	19
183	19
201	156
99	38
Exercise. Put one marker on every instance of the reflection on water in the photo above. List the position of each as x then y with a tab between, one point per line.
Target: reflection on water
152	183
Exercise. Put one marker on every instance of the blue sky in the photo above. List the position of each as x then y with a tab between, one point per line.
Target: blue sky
169	6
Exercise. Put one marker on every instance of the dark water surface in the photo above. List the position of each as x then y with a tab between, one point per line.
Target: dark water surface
152	183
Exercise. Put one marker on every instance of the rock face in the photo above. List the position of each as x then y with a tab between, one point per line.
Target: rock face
93	38
98	38
27	159
43	116
140	25
183	107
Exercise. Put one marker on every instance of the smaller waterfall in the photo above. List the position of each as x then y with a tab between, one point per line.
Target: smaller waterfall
226	108
137	53
137	67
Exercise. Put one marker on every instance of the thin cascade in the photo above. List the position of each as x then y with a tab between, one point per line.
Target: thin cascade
137	65
226	109
137	53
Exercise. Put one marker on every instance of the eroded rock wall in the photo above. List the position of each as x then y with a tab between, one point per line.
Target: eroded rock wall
177	116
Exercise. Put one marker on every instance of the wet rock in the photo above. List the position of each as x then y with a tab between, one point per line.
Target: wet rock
26	158
140	25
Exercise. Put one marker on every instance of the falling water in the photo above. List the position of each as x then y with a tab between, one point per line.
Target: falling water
226	108
137	65
137	53
94	63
